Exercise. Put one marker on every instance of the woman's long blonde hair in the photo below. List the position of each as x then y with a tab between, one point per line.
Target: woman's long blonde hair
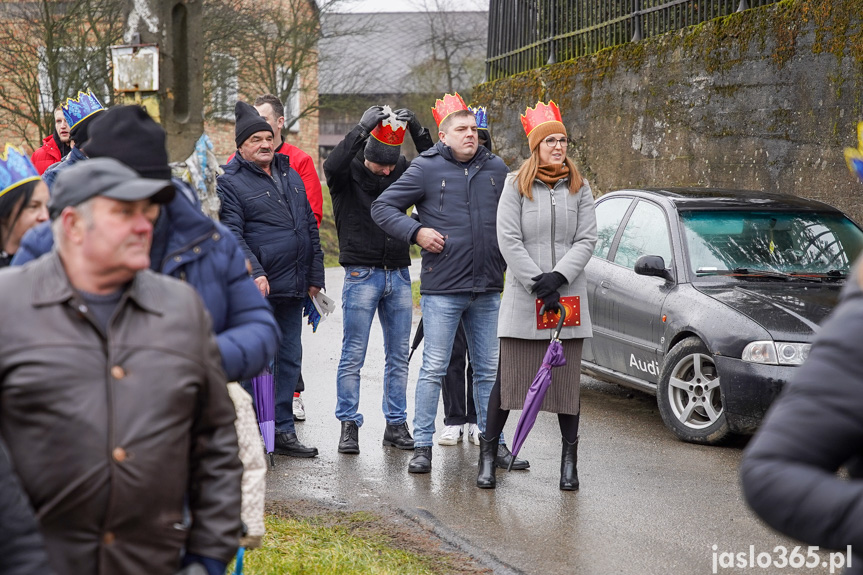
530	167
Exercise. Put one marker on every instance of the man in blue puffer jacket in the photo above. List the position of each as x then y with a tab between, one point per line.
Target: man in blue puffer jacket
264	203
455	187
186	244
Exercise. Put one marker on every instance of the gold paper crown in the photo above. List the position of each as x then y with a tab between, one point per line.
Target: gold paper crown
540	114
450	103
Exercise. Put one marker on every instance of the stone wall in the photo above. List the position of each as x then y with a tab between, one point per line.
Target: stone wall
764	99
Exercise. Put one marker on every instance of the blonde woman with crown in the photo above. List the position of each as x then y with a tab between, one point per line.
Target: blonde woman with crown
546	229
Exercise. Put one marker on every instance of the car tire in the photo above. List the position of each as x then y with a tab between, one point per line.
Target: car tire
689	395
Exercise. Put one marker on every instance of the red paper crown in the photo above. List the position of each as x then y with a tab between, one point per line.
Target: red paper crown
450	103
540	114
390	131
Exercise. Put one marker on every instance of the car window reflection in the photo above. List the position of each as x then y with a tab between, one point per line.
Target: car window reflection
609	214
787	242
646	233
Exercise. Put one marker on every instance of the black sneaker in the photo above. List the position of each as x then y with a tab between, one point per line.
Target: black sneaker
504	456
349	441
288	444
421	461
398	436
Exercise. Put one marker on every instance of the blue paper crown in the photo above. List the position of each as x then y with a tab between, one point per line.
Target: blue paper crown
80	108
481	117
15	169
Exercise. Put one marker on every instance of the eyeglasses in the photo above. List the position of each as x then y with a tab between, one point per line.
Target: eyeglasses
552	143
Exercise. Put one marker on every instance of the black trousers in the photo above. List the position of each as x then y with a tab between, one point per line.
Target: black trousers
457	384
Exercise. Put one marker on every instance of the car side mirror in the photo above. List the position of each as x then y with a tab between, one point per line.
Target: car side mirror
652	266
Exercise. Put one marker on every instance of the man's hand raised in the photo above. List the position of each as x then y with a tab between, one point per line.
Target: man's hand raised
371	117
405	115
430	240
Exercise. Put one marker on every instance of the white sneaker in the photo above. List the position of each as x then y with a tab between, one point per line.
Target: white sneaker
299	409
451	435
473	433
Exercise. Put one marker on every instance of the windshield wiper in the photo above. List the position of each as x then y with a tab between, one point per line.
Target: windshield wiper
832	275
756	273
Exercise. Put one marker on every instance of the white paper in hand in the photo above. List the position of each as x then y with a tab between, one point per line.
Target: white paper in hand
324	303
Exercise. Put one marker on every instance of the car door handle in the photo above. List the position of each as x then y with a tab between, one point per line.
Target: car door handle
605	284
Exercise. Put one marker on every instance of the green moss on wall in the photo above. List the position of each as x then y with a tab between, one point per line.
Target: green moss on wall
720	44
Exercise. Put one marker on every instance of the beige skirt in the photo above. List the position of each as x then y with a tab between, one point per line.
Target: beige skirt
520	359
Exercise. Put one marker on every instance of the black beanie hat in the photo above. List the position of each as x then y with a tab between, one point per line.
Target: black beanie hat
79	133
248	123
380	153
130	135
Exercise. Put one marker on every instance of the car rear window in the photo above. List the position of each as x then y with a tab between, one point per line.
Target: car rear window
795	242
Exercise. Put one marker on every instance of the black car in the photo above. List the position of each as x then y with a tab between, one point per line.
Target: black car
710	298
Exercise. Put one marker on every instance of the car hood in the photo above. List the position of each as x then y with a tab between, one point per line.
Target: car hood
790	312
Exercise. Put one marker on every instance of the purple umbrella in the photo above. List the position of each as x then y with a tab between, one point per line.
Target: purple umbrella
536	393
265	408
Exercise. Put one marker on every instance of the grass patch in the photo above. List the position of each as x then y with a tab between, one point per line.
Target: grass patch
327	231
415	292
321	541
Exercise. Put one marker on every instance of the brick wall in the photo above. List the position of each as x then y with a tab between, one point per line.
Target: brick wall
221	132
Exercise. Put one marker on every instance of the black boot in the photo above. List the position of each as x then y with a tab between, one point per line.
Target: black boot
288	444
421	461
488	453
504	456
569	466
398	436
349	441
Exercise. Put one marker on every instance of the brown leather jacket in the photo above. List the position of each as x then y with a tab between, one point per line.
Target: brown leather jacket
112	433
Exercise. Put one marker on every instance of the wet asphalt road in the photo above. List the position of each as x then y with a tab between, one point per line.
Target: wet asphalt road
649	504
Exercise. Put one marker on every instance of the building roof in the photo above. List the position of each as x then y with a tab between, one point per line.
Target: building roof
388	52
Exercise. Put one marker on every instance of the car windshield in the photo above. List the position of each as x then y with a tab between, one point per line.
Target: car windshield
747	243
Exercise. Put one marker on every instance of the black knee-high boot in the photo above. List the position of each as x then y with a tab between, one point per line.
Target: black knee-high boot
485	478
569	465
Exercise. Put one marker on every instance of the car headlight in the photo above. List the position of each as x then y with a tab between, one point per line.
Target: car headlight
776	353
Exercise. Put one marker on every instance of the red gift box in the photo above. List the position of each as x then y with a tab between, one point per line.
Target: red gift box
572	307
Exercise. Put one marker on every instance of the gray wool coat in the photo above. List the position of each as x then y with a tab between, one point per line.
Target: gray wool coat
524	234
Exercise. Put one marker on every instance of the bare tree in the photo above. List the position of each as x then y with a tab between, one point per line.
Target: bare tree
455	46
261	48
49	50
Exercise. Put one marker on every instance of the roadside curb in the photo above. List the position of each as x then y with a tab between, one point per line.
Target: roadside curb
429	522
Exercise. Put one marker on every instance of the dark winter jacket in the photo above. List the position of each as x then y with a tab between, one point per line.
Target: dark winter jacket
123	438
460	202
205	254
75	156
815	427
46	156
273	220
21	547
305	167
353	188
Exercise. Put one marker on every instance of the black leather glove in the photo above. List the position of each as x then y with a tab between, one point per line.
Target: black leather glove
414	125
551	302
372	117
546	283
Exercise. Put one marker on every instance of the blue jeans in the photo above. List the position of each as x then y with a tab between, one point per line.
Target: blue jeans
388	292
289	359
441	317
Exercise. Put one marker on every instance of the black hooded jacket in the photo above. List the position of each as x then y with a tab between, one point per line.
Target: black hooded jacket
353	188
789	469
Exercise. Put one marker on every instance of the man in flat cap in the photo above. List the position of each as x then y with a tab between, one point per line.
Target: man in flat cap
264	203
113	401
